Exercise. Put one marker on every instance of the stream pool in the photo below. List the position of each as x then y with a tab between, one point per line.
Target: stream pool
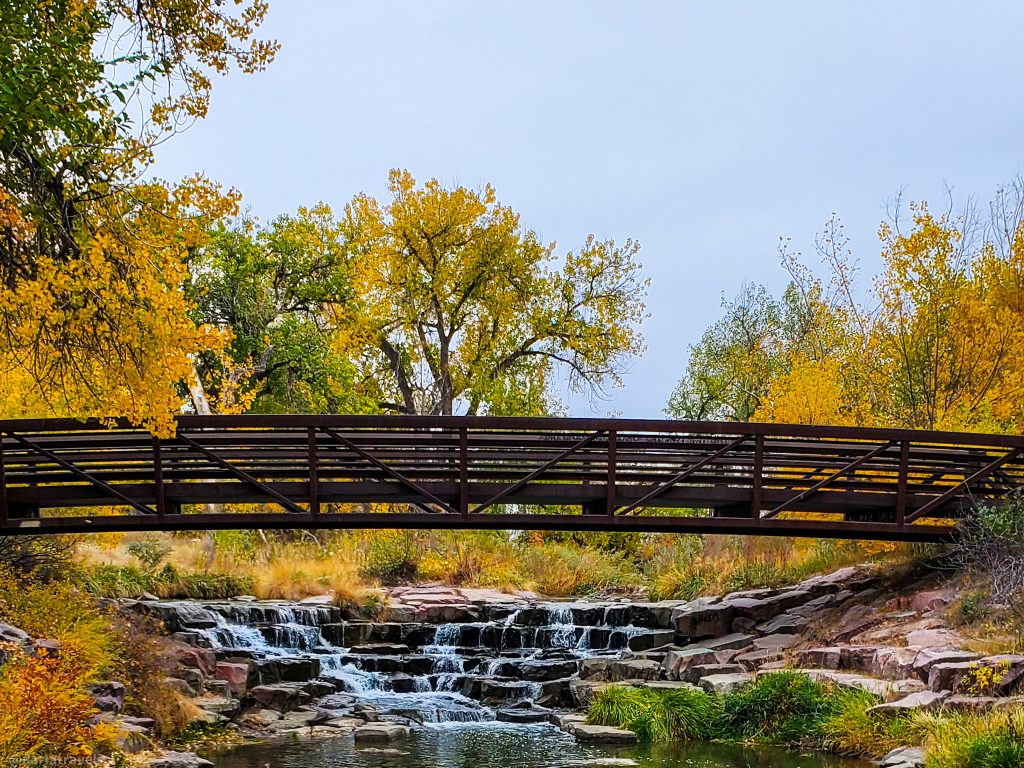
501	745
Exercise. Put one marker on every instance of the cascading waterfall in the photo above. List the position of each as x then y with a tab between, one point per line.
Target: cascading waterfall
526	655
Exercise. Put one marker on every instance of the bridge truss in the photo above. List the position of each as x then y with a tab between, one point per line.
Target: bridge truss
63	476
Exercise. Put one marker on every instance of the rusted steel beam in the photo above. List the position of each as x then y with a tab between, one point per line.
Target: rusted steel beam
487	521
806	494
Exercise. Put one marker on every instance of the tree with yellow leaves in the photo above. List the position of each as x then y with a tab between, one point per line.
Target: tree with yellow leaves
92	264
458	308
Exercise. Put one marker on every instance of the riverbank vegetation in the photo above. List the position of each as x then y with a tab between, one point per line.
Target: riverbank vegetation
350	565
792	710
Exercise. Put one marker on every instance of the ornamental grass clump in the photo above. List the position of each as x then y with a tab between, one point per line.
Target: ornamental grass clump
656	715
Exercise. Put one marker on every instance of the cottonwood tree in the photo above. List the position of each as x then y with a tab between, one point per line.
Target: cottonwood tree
460	309
92	263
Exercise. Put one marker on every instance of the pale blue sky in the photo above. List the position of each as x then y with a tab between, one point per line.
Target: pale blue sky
704	130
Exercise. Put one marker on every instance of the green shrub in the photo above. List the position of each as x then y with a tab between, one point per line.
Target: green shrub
852	730
991	740
391	556
149	551
779	708
656	715
131	581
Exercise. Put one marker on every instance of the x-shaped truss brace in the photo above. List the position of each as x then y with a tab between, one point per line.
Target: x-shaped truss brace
806	494
679	477
79	472
391	472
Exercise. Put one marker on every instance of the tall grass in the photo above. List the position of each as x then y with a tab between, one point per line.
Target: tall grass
656	715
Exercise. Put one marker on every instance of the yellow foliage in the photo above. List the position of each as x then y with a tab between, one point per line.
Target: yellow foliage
45	710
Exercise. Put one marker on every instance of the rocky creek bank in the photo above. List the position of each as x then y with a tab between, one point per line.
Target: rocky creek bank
269	669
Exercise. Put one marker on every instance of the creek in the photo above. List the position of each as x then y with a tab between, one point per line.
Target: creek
506	745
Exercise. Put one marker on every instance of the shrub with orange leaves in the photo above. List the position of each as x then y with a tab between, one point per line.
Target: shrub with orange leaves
44	708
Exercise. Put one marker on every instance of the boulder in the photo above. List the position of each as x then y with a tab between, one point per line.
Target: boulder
762	658
858	619
178	685
530	713
969	704
378	732
601	734
774	642
697	671
820	658
258	718
218	705
131	738
922	701
697	621
235	674
934	638
786	623
881	688
655	638
932	600
721	685
731	642
280	697
928	658
904	757
11	634
179	760
583	691
677	662
108	696
893	662
595	668
960	677
638	669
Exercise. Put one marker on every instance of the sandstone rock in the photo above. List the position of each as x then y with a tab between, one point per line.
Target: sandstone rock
595	668
731	642
821	658
258	718
923	701
697	671
236	675
758	659
132	739
639	669
179	760
108	696
893	662
928	658
669	685
904	756
677	662
703	620
722	685
218	705
857	619
774	642
900	688
934	638
656	638
583	691
527	714
970	704
601	734
12	634
881	688
932	600
564	720
786	623
377	732
281	697
178	685
955	676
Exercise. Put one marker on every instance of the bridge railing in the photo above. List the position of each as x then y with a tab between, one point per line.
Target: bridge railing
491	472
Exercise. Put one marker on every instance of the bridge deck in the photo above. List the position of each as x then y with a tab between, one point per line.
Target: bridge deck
485	472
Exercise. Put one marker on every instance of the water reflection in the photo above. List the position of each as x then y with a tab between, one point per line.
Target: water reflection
495	745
